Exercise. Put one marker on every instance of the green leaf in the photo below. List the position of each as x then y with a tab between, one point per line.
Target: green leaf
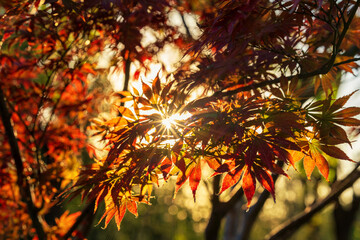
41	79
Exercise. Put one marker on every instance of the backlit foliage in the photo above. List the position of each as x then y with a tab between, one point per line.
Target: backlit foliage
254	92
264	57
49	51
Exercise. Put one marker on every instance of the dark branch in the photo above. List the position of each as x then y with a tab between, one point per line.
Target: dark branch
346	26
321	70
285	230
213	226
347	61
23	184
251	215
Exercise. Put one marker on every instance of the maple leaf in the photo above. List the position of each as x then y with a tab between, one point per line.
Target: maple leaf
242	85
248	185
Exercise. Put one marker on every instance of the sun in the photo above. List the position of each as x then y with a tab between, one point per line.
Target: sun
172	121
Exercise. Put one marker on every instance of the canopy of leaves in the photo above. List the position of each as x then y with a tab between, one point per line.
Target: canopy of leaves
256	61
239	103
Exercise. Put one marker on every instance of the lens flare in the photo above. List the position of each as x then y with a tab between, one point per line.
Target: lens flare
170	121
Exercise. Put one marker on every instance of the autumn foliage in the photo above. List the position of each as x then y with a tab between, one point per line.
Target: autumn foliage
254	95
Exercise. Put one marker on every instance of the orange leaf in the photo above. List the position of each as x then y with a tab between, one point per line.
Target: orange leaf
213	163
117	121
297	155
100	197
125	112
231	178
119	215
132	207
146	90
321	164
109	215
309	165
156	86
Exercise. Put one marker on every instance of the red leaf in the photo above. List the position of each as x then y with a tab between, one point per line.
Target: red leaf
248	185
181	165
154	162
338	133
166	165
347	112
339	103
250	155
225	167
136	75
282	154
100	197
265	180
334	152
231	178
347	122
266	154
177	147
181	179
194	178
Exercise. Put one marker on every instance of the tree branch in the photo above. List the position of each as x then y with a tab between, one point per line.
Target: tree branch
127	73
23	184
219	210
285	230
321	70
346	26
346	61
251	215
213	226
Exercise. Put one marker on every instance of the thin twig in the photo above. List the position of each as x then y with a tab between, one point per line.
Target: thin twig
346	61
